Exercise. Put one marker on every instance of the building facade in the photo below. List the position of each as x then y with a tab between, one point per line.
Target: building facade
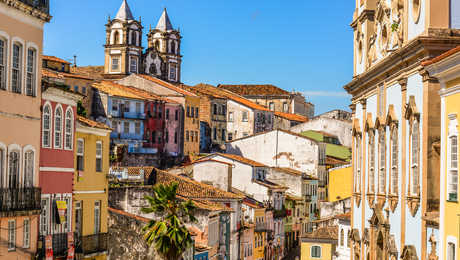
396	125
21	39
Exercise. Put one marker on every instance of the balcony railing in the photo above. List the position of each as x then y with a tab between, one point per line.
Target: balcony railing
42	5
60	245
130	136
91	244
20	199
134	115
142	150
260	227
279	213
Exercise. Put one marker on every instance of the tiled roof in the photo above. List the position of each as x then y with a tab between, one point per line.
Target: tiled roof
331	233
281	130
210	160
270	185
166	85
207	205
61	75
192	189
94	72
288	170
127	214
442	56
292	197
200	90
255	90
147	95
54	58
91	123
333	161
291	117
240	159
232	96
115	89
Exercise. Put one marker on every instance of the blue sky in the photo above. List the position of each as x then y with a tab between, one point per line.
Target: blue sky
300	45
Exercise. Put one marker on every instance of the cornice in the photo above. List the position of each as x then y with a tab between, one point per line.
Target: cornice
27	9
366	14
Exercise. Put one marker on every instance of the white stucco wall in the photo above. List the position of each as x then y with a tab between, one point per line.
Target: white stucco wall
213	172
238	127
415	28
340	128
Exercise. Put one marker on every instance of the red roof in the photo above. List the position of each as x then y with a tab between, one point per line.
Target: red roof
54	58
255	90
166	85
292	117
442	56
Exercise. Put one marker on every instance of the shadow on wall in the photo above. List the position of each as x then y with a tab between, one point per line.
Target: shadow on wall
233	150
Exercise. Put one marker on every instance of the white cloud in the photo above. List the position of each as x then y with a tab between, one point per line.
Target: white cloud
326	94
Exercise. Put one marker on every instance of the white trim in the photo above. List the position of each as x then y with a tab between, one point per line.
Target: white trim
90	130
56	169
72	127
442	226
59	96
14	40
88	191
453	240
26	149
47	103
5	161
58	106
13	147
37	72
22	17
23	233
449	91
7	51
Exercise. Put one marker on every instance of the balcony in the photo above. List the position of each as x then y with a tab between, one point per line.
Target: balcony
130	136
279	213
142	150
59	245
20	199
41	5
115	113
91	244
260	227
134	115
308	197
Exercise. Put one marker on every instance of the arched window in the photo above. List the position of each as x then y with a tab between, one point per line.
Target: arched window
348	235
173	47
29	158
3	62
358	161
116	37
13	174
394	161
451	251
69	129
16	68
31	71
382	149
2	166
342	234
371	186
415	147
133	38
46	132
157	45
58	128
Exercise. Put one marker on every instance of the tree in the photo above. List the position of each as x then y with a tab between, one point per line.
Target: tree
168	232
81	111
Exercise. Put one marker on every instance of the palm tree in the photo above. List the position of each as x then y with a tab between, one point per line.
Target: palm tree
168	233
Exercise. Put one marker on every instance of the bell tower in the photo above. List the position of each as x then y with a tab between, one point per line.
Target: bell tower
162	58
123	46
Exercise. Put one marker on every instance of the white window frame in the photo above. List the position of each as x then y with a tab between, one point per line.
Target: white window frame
44	216
14	148
244	116
20	68
99	155
381	188
451	240
320	251
12	235
452	166
172	72
81	153
115	67
415	162
58	134
50	126
31	72
4	63
371	143
28	149
3	162
394	147
126	123
26	233
97	217
68	145
137	128
133	64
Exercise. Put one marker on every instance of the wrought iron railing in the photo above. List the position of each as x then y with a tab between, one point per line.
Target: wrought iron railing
91	244
42	5
24	199
260	227
60	246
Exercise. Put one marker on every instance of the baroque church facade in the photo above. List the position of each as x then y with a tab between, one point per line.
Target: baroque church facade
396	126
124	53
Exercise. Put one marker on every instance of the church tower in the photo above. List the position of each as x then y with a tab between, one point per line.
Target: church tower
123	47
162	58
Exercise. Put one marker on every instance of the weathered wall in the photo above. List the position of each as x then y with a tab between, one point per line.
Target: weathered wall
329	209
339	128
238	127
288	180
216	174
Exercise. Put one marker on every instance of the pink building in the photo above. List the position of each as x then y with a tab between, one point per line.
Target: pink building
173	126
59	112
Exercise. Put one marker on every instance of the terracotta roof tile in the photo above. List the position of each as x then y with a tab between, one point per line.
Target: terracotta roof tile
291	117
200	90
334	161
288	170
270	185
94	72
255	90
115	89
324	233
442	56
91	123
127	214
210	160
54	58
166	85
240	159
47	73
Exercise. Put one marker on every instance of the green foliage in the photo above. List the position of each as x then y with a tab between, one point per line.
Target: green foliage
81	111
394	27
169	234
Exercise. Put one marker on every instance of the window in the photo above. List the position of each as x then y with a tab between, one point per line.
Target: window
175	137
80	154
371	162
453	168
214	133
196	112
451	251
154	136
83	89
115	105
97	217
342	234
172	72
358	164
166	136
316	251
160	137
230	136
26	229
245	116
176	115
230	116
58	128
78	217
394	161
126	127
192	134
13	177
99	156
30	79
46	127
173	47
69	129
133	37
155	110
137	128
415	158
160	111
44	218
214	111
192	112
75	88
133	65
188	111
11	235
186	136
382	150
223	134
16	69
271	106
115	63
2	166
116	38
127	106
167	114
285	107
138	107
3	59
29	169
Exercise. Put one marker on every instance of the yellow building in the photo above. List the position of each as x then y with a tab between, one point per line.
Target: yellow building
340	183
260	233
320	244
446	68
91	189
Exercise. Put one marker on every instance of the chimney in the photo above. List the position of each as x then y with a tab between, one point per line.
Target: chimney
74	61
